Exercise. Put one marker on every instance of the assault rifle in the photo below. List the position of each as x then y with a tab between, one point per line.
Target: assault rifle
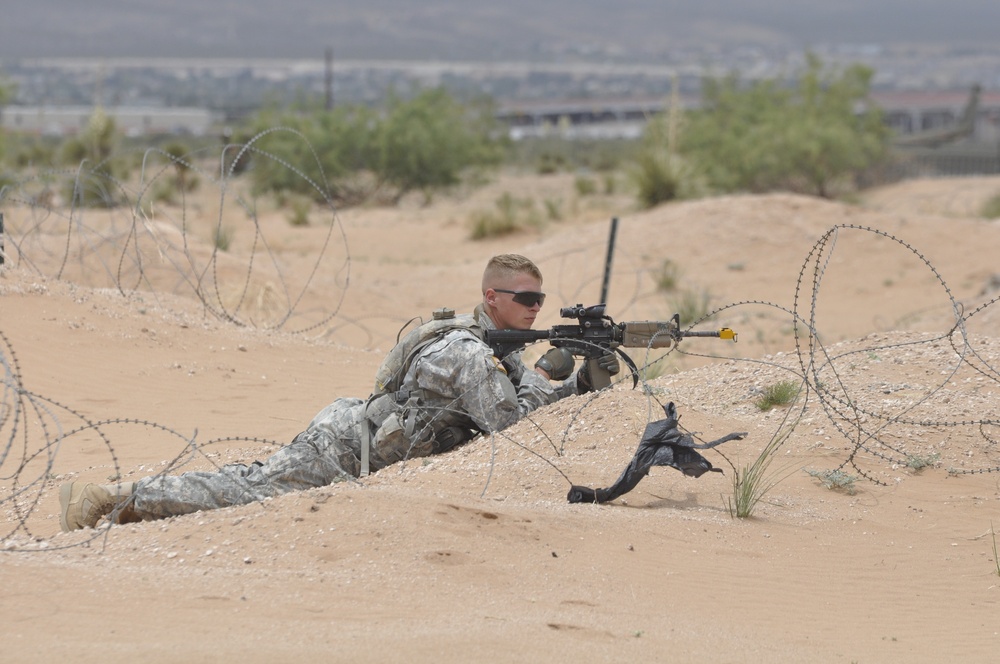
594	334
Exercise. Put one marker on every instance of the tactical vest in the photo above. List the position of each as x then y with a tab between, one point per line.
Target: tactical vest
389	377
393	423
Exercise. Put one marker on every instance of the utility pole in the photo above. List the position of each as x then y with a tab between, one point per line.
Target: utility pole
329	78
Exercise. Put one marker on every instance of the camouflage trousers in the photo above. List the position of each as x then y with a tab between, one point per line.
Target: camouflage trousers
327	451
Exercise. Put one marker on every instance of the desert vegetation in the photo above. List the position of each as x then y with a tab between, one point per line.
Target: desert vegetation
756	137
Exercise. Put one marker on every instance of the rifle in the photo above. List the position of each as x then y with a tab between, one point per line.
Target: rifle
594	334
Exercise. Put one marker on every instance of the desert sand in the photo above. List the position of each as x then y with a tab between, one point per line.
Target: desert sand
114	367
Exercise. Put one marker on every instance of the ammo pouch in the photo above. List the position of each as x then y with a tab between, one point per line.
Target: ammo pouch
450	437
386	418
399	432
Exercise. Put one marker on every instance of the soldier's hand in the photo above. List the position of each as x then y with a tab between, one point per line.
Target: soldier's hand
608	362
558	363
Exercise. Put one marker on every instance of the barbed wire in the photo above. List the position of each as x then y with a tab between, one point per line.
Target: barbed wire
118	239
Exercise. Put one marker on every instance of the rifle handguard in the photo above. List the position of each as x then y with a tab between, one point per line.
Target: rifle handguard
648	334
664	334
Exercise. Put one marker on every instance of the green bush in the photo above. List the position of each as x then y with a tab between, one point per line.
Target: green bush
311	155
668	276
991	208
584	186
835	480
655	179
299	213
5	94
917	462
767	136
553	154
425	143
222	237
692	305
752	482
511	215
658	173
101	165
778	394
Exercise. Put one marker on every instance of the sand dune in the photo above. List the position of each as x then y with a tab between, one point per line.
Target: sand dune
476	555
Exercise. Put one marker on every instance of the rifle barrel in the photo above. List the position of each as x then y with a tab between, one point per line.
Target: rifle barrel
722	333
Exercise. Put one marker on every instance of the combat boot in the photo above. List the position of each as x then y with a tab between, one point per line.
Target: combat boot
83	504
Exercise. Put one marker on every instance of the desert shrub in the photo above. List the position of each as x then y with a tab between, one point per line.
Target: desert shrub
585	186
325	147
655	172
667	276
510	215
692	305
553	208
25	152
917	462
185	177
653	367
222	237
655	180
101	166
991	208
170	174
753	481
766	135
299	212
610	184
835	480
553	154
425	143
778	394
6	92
549	163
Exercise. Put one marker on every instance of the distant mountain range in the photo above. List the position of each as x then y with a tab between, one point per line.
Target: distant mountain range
482	30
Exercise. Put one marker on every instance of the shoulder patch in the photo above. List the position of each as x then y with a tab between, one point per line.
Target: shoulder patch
498	363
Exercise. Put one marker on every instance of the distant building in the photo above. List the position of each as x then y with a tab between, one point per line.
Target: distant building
905	112
130	120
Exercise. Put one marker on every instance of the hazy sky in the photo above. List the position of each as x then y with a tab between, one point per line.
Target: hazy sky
469	29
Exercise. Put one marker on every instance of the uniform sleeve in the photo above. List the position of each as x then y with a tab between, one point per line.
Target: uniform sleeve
463	367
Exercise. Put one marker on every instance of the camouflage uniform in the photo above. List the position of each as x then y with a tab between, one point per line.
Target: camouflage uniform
453	389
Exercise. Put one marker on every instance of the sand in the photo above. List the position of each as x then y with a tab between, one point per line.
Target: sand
476	555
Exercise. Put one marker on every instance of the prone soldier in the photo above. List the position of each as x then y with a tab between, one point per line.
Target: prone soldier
431	394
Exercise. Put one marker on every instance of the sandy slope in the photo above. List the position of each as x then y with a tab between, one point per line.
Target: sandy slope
475	555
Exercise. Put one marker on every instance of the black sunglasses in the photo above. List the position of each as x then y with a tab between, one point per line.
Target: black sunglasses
526	297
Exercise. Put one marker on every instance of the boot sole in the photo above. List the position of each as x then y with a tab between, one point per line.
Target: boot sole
65	495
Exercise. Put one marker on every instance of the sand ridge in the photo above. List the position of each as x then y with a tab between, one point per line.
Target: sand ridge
476	555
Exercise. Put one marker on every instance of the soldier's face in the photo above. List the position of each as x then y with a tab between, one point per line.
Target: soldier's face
508	314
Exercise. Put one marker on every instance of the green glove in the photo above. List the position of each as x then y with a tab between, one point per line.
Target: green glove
558	363
608	362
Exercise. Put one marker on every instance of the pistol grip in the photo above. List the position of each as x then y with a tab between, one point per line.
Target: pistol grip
599	378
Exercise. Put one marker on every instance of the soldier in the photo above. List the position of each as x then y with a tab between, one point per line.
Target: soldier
437	389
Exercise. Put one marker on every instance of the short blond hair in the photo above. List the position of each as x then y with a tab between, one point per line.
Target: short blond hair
505	266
